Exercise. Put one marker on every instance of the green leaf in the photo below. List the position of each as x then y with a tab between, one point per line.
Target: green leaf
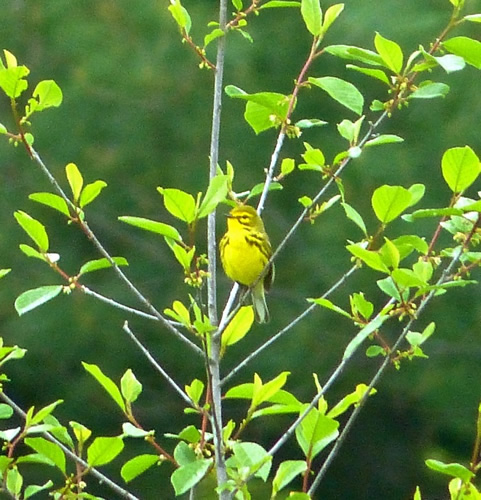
186	477
287	166
389	288
430	90
454	470
33	489
31	299
390	254
343	92
90	192
475	18
181	16
48	95
49	450
460	167
216	193
369	257
315	432
31	252
107	383
350	400
130	430
4	272
195	390
130	387
179	203
361	306
389	202
75	180
373	73
14	482
355	216
330	305
103	450
238	326
258	188
138	465
287	471
384	139
310	122
353	53
279	3
432	212
81	433
153	226
371	327
467	48
51	200
253	457
96	265
213	35
43	413
312	16
12	77
390	53
34	229
264	392
406	278
332	13
5	411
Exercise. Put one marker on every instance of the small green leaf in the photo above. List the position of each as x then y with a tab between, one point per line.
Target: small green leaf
130	387
315	432
107	383
138	465
49	450
81	433
33	489
181	16
130	430
332	13
454	470
287	471
287	166
12	77
371	327
14	482
213	35
263	392
460	167
48	94
103	450
238	326
343	92
475	18
4	272
389	202
350	400
310	122
179	203
186	477
430	90
361	306
390	52
467	48
34	229
384	139
43	413
90	192
5	411
96	265
75	180
31	252
353	53
312	16
51	200
279	3
369	257
330	305
355	216
216	193
195	390
153	226
253	457
258	188
379	74
31	299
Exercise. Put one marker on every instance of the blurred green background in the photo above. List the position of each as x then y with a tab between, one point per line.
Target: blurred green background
136	113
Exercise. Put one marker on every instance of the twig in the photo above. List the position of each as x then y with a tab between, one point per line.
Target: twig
287	328
98	475
156	365
92	237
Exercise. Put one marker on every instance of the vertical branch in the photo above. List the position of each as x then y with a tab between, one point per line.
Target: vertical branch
214	351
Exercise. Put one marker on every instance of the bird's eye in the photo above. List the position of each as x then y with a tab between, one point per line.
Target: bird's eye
244	219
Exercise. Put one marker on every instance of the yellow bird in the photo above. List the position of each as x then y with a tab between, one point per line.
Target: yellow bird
245	250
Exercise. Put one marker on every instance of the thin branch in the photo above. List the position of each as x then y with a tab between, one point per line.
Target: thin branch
156	365
387	360
94	472
287	328
92	237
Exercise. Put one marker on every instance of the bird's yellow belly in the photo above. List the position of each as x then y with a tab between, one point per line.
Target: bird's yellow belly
243	262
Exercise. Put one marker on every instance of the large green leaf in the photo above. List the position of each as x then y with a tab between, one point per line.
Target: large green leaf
389	202
343	92
31	299
460	167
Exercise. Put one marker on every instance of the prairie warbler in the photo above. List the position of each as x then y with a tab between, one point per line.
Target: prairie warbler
245	250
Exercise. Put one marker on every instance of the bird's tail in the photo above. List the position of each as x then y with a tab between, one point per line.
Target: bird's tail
261	312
